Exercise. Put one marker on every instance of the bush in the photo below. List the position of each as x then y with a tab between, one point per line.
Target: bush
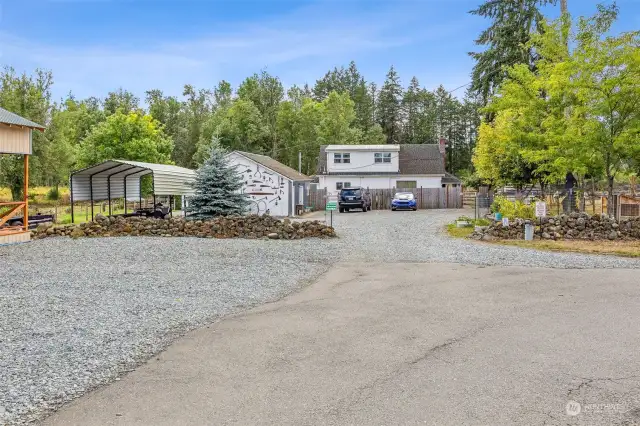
512	209
53	194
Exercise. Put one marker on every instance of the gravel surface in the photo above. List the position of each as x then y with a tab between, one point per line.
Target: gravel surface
75	314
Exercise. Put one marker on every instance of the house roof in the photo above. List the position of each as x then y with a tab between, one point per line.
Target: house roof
418	159
413	159
7	117
276	166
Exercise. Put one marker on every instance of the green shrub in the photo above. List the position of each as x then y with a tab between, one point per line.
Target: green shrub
53	194
512	209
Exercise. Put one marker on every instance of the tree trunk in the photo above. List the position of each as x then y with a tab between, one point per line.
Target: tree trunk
610	206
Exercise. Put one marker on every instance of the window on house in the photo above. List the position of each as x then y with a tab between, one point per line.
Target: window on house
382	157
342	185
338	186
341	157
406	184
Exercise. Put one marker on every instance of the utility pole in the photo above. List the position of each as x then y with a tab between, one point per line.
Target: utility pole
563	6
300	162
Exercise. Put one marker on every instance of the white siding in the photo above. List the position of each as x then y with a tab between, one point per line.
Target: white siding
363	161
268	191
378	182
18	237
15	140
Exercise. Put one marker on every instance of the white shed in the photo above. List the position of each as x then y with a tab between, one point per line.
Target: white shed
272	187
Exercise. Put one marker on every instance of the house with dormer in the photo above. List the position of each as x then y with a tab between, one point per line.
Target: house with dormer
405	166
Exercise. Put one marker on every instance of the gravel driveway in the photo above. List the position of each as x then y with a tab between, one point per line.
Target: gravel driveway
75	314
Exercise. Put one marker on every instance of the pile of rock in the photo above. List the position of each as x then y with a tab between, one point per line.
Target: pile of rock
220	227
574	226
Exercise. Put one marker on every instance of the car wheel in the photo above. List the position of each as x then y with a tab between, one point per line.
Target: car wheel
364	209
341	210
415	210
392	209
346	210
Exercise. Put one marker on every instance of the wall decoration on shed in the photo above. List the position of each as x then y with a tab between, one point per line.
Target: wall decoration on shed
264	188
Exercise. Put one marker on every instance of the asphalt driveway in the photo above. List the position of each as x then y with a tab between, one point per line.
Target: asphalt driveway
401	343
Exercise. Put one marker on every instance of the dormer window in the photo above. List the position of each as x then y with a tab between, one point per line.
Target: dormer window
382	157
342	157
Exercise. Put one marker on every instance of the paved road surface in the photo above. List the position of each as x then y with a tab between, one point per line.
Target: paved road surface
401	343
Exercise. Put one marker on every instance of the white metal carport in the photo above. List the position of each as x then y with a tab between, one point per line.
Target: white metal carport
121	179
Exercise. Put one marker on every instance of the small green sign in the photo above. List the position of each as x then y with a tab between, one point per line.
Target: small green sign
332	205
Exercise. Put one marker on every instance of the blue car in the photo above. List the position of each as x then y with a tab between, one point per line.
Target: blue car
404	201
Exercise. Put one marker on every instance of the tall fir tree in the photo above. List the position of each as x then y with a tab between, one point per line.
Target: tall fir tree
389	107
217	188
512	23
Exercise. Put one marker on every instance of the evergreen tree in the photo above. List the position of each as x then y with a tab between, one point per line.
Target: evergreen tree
388	111
217	187
513	22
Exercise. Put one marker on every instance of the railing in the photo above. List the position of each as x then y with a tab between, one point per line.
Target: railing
10	209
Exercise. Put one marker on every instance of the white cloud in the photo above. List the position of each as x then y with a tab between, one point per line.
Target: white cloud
308	42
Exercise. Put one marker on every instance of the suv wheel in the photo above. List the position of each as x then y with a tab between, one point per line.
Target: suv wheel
341	210
364	209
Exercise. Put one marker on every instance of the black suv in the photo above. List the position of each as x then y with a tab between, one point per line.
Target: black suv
354	198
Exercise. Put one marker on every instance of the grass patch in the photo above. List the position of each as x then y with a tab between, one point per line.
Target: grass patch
617	248
454	231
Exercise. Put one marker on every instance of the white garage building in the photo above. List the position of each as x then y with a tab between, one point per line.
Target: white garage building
272	187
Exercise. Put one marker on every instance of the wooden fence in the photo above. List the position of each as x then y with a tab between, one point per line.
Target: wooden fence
427	198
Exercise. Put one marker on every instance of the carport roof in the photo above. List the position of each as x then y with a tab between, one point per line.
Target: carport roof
107	168
168	179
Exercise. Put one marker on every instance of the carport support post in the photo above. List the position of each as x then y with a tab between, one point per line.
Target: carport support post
140	191
71	197
125	194
91	194
109	192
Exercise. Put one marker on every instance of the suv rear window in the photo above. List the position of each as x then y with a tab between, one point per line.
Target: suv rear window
351	192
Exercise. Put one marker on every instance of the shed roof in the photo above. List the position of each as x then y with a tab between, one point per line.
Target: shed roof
107	179
276	166
7	117
449	178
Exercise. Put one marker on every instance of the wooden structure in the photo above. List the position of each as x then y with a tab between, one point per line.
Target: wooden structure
16	138
427	198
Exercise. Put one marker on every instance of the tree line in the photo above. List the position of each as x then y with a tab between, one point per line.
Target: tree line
260	116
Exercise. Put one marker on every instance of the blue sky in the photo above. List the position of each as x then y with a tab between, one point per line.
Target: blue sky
94	46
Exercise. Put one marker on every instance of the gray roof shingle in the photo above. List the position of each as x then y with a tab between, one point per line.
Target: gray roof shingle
7	117
276	166
420	159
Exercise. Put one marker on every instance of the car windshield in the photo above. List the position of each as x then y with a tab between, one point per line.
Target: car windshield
403	196
351	192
